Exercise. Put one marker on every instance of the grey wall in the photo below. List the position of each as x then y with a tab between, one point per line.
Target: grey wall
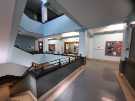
12	69
25	42
6	11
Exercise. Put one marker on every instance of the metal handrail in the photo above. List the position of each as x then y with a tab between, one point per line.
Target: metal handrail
52	63
56	64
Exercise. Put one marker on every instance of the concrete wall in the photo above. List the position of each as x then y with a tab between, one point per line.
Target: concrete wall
100	41
59	25
10	11
25	42
12	69
5	27
21	57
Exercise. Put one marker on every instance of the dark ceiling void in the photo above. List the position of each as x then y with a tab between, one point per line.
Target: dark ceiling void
133	2
51	15
33	15
34	5
33	10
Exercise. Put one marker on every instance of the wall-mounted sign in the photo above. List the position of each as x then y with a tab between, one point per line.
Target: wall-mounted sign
99	48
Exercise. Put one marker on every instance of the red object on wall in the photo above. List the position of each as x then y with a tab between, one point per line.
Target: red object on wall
113	48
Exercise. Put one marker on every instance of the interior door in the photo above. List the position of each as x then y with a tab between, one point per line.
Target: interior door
40	46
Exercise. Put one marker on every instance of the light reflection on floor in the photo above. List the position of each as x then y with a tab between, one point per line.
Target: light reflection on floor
96	83
106	99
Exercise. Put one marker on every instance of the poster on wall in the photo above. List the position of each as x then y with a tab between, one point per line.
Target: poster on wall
51	47
113	48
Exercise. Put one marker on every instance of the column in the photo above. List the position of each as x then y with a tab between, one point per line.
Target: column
83	42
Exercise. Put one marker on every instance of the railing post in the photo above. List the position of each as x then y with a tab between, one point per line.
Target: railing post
85	60
75	58
69	60
59	63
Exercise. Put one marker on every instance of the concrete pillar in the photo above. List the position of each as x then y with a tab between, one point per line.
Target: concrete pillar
45	42
90	47
83	42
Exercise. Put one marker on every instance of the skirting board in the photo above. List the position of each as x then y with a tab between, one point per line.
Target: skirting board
126	87
52	94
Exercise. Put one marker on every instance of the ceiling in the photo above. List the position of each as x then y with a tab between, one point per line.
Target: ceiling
96	13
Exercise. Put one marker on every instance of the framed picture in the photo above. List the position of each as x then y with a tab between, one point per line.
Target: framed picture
113	48
51	47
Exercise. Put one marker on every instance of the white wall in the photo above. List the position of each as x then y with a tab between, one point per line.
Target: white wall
59	45
21	57
90	46
97	46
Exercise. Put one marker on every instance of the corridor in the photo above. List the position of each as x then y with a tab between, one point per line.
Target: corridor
96	83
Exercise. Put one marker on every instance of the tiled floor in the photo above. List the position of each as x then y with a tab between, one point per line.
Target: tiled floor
96	83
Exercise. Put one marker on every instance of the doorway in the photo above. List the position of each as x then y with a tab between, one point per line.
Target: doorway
40	46
71	47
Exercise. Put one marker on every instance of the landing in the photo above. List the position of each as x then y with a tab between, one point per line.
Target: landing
96	83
